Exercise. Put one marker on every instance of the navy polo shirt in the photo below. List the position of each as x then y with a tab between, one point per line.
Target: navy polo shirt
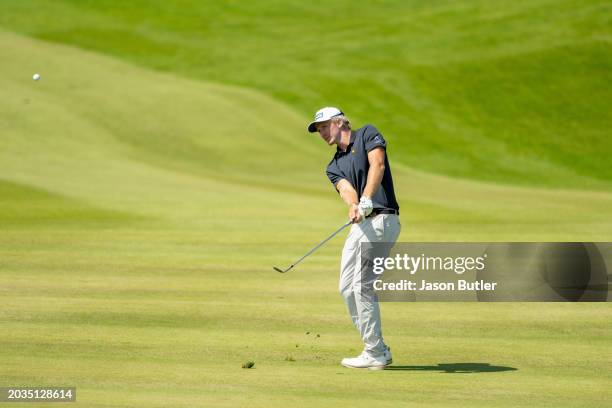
353	166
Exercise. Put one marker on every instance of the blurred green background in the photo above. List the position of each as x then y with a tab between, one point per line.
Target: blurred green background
161	166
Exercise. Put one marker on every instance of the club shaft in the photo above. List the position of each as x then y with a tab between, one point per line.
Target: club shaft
320	243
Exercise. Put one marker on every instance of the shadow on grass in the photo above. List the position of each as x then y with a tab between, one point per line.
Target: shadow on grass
455	368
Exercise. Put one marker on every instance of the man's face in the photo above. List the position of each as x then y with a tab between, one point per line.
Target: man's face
329	131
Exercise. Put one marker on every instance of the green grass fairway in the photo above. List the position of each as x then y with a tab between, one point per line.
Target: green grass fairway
143	204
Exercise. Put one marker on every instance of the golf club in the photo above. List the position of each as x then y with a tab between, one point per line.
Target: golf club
313	249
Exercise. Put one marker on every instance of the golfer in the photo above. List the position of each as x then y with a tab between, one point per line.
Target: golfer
360	172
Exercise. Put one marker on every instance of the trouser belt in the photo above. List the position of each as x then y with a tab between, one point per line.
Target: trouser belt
377	211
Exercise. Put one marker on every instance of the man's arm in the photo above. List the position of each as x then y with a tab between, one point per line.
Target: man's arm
349	195
376	158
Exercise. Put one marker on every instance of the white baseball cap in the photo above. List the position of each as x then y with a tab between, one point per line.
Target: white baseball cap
323	115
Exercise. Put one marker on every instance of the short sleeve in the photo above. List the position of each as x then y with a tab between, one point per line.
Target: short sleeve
373	139
333	172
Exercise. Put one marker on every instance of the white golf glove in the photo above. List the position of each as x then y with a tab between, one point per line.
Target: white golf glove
365	206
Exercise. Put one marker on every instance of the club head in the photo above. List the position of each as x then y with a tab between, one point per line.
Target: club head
278	270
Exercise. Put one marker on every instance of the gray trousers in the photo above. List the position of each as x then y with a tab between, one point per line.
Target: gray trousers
356	280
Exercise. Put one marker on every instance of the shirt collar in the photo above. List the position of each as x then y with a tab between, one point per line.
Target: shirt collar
350	145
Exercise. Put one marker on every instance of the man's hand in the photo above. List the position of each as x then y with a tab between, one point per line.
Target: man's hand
354	214
365	206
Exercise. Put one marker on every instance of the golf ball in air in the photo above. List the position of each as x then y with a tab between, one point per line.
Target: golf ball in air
36	77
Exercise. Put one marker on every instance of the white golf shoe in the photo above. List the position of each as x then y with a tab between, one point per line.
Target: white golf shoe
387	354
364	360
